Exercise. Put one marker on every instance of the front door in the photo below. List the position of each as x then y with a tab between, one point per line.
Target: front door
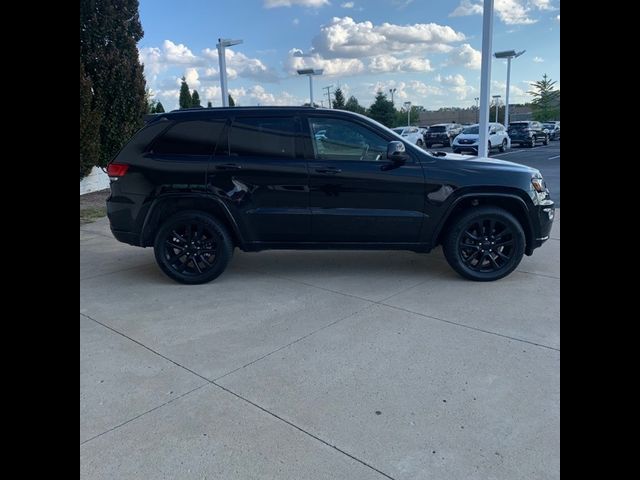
356	195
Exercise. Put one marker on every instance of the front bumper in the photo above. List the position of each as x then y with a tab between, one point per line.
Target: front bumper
465	147
545	214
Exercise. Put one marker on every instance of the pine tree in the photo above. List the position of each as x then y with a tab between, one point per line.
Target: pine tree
209	105
109	33
232	103
546	100
89	126
159	107
338	99
195	99
185	96
353	106
382	110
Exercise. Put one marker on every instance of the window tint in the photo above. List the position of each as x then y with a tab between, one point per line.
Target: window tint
263	137
193	137
344	140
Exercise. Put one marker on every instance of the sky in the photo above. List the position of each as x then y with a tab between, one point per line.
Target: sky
428	50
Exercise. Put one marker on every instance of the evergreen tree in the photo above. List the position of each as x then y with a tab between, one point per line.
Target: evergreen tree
546	100
185	96
195	99
353	106
109	33
159	108
232	103
382	110
209	105
338	99
89	126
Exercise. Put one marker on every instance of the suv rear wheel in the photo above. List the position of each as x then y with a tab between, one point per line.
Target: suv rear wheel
192	247
484	244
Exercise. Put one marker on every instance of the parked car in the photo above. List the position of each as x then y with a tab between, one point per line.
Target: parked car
412	134
442	133
528	133
196	184
467	140
553	129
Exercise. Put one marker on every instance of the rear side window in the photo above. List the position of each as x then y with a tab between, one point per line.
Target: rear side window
192	137
263	137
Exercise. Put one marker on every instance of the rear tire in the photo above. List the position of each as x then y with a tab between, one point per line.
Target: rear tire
546	140
503	146
484	244
192	247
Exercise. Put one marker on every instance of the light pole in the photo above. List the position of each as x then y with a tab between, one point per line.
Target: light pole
329	95
222	44
310	72
485	77
392	91
508	54
496	99
477	99
407	105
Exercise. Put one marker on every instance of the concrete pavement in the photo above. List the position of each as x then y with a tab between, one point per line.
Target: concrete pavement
308	365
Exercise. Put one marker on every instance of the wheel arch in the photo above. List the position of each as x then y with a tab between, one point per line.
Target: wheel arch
510	202
169	204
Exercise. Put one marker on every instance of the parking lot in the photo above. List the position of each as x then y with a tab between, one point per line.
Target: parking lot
319	365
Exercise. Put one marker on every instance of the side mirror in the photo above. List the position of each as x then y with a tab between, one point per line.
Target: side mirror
396	151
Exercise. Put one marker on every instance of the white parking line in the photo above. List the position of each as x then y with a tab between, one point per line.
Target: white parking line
551	158
523	151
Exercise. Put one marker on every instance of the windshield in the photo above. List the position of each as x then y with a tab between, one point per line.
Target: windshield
474	130
398	130
550	125
436	129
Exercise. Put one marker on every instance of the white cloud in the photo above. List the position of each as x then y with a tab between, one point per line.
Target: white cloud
296	21
346	38
334	66
424	89
156	59
516	94
511	12
558	17
467	56
192	78
457	85
289	3
348	5
538	59
389	63
238	64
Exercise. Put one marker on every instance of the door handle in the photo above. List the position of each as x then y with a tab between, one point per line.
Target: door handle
229	166
328	170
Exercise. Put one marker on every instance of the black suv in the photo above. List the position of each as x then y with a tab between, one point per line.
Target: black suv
442	133
528	133
195	184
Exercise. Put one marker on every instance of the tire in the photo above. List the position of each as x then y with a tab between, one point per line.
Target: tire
546	140
503	146
419	143
178	230
495	224
456	151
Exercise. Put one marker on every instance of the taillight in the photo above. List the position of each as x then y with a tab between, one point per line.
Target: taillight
116	170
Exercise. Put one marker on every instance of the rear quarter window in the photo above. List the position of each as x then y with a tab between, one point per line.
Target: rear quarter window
190	138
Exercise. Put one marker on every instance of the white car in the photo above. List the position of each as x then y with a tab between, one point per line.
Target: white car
467	140
413	134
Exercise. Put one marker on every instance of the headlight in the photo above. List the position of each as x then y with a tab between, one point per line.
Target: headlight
538	184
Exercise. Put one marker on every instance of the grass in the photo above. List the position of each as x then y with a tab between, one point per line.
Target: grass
91	214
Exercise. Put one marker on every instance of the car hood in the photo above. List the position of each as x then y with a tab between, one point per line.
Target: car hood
487	162
468	136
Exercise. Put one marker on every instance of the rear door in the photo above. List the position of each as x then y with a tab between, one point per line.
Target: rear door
263	177
357	195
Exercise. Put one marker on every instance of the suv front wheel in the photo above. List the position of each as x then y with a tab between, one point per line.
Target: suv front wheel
193	247
484	244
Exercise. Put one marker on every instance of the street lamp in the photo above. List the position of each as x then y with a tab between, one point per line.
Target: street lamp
310	72
392	91
496	98
477	99
222	44
485	76
407	105
508	54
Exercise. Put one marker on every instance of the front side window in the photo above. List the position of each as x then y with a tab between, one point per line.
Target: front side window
345	140
192	137
263	137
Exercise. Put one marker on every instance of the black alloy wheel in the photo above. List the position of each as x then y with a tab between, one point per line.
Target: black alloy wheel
485	244
193	247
